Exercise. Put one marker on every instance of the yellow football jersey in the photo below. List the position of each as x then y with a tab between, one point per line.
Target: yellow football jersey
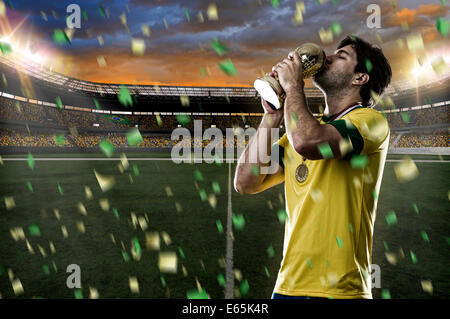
328	233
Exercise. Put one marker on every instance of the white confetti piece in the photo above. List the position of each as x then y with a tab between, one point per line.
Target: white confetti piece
167	262
9	202
81	209
134	285
406	170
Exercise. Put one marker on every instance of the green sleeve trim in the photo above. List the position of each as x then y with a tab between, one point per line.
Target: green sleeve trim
353	134
280	158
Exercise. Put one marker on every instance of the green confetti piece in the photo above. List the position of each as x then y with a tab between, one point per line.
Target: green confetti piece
350	228
134	137
275	3
416	208
30	161
282	216
181	252
158	120
102	11
413	257
188	17
244	287
5	48
325	150
335	2
221	280
60	37
339	242
135	170
375	195
125	256
216	187
385	294
336	29
46	269
183	119
195	294
59	104
203	71
227	67
267	272
107	147
443	26
309	262
34	230
60	189
238	221
30	187
124	96
369	65
255	170
424	236
405	116
115	212
270	251
97	105
54	266
295	117
198	175
386	247
220	48
60	139
137	246
447	240
391	218
203	195
163	281
219	226
78	294
359	161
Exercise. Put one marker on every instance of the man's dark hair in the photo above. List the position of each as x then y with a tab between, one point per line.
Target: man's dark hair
372	61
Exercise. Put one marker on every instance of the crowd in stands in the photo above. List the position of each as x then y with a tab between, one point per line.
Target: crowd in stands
10	137
428	139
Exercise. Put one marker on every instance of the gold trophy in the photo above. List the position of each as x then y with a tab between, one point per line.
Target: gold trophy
313	59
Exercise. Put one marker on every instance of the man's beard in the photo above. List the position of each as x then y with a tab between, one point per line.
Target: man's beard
331	81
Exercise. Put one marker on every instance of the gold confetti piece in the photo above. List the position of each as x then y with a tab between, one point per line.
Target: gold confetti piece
167	262
2	9
81	209
332	280
345	146
406	170
104	204
29	247
69	32
1	161
212	200
9	202
152	241
415	43
93	293
298	17
56	212
101	61
169	191
185	272
142	223
145	30
357	182
166	238
88	192
64	231
212	12
134	220
391	258
165	24
200	17
137	46
17	233
52	247
10	274
120	167
178	207
439	66
427	286
123	18
237	274
100	40
105	182
326	36
42	250
269	204
184	99
316	195
80	227
134	285
113	239
17	287
124	161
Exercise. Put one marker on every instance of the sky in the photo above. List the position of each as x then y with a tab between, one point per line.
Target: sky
179	51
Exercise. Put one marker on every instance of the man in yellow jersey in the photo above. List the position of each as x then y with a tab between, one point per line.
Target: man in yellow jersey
332	170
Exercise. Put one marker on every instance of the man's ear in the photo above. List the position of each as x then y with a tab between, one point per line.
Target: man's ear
360	79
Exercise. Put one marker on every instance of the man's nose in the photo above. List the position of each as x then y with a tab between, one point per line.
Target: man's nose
329	59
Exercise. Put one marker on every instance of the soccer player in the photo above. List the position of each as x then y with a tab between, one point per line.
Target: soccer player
332	170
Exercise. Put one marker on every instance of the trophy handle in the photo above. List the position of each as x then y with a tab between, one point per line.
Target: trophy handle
270	90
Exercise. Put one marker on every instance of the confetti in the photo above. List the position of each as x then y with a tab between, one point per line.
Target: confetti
336	29
107	147
309	262
391	258
124	96
9	202
255	170
212	12
88	192
93	293
316	195
30	160
406	170
220	48
34	230
17	233
219	226
60	189
184	99
267	272
137	46
101	61
427	286
339	242
152	241
134	285
359	161
275	3
326	36
227	67
416	208
391	218
167	262
439	65
369	65
81	209
64	231
60	139
298	16
385	294
60	37
443	26
105	182
405	117
244	287
238	221
221	280
134	137
146	30
413	257
188	17
415	42
198	175
136	251
135	170
2	9
325	150
270	251
183	119
196	294
17	287
282	216
424	236
104	204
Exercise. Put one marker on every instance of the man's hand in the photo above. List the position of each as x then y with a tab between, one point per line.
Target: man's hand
267	108
290	73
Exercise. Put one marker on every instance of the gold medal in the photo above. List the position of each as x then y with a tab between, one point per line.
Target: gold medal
301	173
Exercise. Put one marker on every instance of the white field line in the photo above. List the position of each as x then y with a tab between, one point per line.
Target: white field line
229	287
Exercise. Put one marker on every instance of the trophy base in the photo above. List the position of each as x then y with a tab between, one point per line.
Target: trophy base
270	90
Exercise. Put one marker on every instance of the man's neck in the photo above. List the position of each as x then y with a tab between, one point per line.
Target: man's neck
337	102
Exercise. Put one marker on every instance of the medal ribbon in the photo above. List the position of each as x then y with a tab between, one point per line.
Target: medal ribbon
345	111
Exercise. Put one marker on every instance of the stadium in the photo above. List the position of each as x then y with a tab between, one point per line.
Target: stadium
87	179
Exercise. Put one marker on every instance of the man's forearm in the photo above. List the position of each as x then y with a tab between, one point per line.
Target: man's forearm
245	176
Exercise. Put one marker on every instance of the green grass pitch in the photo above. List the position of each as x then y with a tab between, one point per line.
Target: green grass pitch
194	235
